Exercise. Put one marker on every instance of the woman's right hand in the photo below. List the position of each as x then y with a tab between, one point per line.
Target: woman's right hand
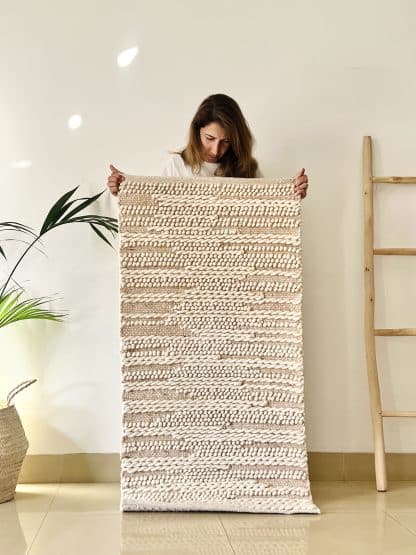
114	180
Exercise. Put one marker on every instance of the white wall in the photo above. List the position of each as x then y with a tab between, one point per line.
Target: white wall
312	78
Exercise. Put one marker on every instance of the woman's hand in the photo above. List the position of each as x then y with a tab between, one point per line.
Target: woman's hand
301	185
114	180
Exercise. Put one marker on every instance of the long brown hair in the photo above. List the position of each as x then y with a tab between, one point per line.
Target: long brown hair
238	160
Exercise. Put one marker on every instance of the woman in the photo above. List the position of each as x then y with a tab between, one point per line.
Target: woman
220	144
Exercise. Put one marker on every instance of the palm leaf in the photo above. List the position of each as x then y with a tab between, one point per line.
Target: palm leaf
26	243
110	224
11	310
5	298
14	226
57	211
83	205
105	221
103	237
59	215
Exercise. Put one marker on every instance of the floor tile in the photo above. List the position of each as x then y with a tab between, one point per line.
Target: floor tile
408	520
340	497
401	496
80	519
363	496
21	518
327	534
110	533
18	530
78	533
31	497
87	497
174	533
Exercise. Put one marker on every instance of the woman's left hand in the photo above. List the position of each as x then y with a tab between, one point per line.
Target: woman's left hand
301	185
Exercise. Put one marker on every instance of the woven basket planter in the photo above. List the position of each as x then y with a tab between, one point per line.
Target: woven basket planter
13	445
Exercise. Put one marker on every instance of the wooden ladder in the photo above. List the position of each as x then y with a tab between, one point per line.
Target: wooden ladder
377	412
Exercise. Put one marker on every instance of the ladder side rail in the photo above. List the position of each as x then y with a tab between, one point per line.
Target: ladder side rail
372	372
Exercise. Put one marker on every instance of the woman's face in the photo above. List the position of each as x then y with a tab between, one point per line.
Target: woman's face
214	141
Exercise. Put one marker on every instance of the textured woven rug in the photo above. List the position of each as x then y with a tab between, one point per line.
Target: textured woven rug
211	346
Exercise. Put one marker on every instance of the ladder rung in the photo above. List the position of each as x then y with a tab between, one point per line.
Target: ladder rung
397	331
408	413
400	252
393	179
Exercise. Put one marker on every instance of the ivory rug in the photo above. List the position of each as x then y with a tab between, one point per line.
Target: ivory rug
211	346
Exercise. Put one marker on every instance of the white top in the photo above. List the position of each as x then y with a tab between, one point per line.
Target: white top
175	167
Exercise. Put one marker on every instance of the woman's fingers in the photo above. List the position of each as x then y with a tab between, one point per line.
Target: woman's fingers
301	184
116	173
116	177
114	190
301	179
113	186
114	180
114	169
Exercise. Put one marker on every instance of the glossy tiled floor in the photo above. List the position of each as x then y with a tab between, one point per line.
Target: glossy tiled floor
78	519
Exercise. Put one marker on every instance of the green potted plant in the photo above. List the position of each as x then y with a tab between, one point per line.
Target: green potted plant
14	307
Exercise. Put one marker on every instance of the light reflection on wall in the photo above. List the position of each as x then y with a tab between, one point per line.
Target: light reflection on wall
20	164
126	57
75	121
